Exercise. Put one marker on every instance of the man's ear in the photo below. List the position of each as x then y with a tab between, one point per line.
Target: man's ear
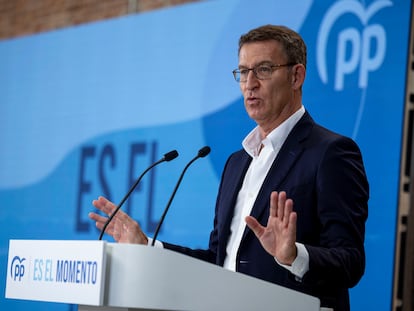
298	75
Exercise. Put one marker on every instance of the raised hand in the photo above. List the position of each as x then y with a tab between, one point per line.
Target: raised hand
122	227
279	236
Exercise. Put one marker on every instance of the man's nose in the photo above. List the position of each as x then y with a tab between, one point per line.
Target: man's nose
251	81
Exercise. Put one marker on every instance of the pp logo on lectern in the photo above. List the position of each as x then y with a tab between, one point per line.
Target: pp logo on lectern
17	268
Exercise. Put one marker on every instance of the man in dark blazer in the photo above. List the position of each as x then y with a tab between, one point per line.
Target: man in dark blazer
292	204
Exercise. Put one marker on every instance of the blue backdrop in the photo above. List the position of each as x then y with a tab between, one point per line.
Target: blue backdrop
85	109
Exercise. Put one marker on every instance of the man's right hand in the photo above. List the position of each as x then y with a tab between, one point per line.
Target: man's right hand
122	227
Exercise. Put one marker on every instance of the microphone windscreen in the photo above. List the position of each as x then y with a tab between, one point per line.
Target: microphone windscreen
170	155
204	151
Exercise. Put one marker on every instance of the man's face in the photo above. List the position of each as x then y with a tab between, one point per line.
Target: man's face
268	102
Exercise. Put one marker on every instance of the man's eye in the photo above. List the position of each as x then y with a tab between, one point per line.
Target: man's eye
244	72
264	69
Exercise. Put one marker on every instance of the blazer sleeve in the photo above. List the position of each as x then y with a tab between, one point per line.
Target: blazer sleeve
342	193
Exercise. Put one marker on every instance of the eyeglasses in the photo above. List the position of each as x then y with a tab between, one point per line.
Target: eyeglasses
261	72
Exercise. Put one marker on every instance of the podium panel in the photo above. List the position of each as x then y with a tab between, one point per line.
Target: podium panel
148	278
137	277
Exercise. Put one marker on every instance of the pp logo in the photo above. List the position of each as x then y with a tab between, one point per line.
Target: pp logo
17	268
368	56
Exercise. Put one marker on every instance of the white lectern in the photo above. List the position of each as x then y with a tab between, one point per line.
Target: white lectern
136	277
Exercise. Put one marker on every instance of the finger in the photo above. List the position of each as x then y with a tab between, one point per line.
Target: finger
97	217
281	205
109	207
292	222
288	211
99	204
255	226
104	205
100	222
100	225
291	228
273	204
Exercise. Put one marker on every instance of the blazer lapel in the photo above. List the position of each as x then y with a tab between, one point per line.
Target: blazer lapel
235	171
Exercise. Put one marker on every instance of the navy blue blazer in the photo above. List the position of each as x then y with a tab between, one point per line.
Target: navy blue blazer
323	173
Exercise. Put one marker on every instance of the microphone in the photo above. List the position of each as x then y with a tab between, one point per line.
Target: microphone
201	154
166	158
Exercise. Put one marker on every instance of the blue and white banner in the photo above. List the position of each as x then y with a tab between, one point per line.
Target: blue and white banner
56	271
85	110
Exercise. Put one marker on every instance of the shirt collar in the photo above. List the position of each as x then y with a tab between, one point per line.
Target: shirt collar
252	142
